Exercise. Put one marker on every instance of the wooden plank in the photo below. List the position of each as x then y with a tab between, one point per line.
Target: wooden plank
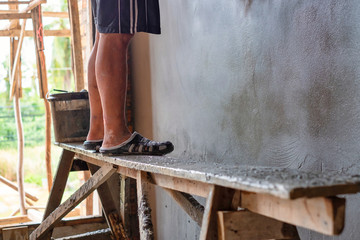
100	234
246	225
180	184
110	202
66	224
13	186
55	14
192	207
30	33
128	207
60	180
94	182
14	220
322	214
145	223
76	44
14	2
18	233
5	16
281	182
219	199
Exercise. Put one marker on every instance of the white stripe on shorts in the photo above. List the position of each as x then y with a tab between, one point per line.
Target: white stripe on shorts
119	16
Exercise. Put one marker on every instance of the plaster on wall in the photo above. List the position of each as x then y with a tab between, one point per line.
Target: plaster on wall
259	82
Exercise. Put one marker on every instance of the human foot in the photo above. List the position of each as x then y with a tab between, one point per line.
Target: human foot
139	145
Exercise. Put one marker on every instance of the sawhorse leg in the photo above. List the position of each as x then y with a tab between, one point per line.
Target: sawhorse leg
46	227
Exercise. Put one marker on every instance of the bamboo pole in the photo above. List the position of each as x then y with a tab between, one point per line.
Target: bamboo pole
20	134
14	81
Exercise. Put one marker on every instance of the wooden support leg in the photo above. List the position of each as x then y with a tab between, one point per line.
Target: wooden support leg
145	223
246	225
109	197
103	174
60	180
219	199
192	207
128	207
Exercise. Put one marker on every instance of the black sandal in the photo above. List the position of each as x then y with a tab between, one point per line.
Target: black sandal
139	145
93	145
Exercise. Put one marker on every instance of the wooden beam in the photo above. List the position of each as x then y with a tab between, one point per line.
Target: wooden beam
110	202
14	220
15	233
7	16
94	182
14	2
219	199
192	207
181	184
246	225
13	186
55	14
30	33
128	207
60	180
33	4
322	214
76	44
145	223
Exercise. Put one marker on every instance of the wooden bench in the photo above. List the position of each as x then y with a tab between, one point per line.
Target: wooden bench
241	202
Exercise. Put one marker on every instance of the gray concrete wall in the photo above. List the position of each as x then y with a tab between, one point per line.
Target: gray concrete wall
260	82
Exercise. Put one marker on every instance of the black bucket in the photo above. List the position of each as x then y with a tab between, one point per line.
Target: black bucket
71	115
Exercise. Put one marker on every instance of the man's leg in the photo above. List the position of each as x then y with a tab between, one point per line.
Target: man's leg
96	130
111	79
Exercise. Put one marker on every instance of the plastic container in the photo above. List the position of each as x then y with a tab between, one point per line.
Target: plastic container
71	115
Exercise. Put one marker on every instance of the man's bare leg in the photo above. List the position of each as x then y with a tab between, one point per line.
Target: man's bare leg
96	130
111	79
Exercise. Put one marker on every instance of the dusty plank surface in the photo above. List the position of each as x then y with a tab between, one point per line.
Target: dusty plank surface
280	182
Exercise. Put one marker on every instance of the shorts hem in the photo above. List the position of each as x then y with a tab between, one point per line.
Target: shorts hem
150	29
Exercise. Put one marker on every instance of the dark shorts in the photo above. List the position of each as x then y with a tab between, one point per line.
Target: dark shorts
126	16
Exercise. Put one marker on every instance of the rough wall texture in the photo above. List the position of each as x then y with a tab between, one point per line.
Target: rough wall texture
260	82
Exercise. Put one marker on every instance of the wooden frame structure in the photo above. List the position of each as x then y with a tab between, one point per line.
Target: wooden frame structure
271	200
32	10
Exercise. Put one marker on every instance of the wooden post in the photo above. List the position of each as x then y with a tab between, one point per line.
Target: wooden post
129	207
145	223
219	199
60	180
43	84
76	44
110	204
